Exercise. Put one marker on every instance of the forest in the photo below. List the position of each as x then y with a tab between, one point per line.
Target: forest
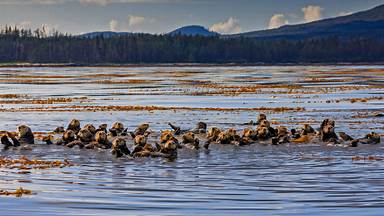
27	46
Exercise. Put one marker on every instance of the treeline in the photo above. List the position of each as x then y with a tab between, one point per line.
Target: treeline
17	45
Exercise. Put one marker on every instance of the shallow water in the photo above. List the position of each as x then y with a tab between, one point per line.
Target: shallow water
227	180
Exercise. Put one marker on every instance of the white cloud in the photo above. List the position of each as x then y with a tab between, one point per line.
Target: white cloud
277	20
114	25
312	13
231	26
135	20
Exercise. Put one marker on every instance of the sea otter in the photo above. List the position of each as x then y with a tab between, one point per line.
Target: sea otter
249	133
117	130
67	137
101	141
119	148
25	135
141	129
59	130
74	126
190	140
327	131
102	127
282	136
90	128
85	136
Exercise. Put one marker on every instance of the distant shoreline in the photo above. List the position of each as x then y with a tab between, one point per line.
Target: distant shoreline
59	65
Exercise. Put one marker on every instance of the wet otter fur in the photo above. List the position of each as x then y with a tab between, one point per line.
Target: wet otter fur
249	133
85	136
141	129
282	136
90	128
25	135
189	139
101	141
119	148
117	130
102	127
212	135
67	137
228	137
14	142
371	138
74	126
327	131
59	130
345	136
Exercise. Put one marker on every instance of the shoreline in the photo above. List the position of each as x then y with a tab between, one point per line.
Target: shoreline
62	65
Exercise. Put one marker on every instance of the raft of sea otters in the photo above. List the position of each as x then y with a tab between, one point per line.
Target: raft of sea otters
169	141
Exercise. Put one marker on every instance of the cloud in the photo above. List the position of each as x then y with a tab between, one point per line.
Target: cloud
277	20
135	20
231	26
312	13
114	25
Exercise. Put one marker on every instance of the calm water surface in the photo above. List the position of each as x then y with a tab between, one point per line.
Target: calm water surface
253	180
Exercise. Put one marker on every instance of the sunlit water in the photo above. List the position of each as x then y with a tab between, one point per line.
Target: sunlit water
226	180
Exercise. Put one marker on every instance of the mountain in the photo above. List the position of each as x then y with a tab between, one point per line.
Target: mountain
105	34
368	23
193	30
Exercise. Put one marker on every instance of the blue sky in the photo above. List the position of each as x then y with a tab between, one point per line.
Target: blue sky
160	16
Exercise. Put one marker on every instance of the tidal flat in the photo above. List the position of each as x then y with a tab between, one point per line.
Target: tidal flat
290	179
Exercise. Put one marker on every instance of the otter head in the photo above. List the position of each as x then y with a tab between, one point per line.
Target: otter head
213	132
144	127
201	127
262	132
170	145
119	147
264	123
85	135
90	128
261	117
24	131
188	137
165	136
140	140
282	131
224	138
74	125
373	137
249	133
307	129
69	136
101	137
118	126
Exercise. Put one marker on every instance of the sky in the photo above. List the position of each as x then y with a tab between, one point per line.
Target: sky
162	16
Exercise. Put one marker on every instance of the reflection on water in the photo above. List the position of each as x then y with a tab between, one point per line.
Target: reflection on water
227	180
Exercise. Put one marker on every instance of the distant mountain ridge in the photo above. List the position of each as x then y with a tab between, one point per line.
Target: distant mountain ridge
193	30
369	23
105	34
365	23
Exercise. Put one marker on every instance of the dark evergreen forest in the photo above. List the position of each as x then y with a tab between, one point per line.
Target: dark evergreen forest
18	45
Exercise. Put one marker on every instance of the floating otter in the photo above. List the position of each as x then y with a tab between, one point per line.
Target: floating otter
249	133
189	139
228	137
327	131
141	129
67	137
59	130
119	148
101	141
282	136
117	130
90	128
25	135
345	136
74	126
85	136
307	129
201	128
371	138
9	143
102	127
